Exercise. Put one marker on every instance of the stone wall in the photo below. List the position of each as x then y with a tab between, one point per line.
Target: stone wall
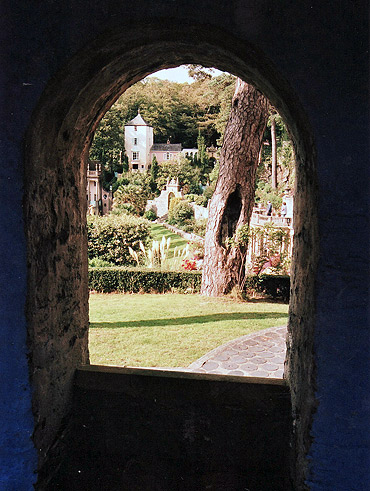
64	64
154	430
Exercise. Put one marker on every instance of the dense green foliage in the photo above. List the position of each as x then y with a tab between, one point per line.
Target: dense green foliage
273	286
180	213
154	170
132	189
188	175
110	237
285	165
107	280
175	111
150	215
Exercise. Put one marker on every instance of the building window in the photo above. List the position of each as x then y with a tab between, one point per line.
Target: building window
94	184
135	155
135	128
134	141
168	156
135	166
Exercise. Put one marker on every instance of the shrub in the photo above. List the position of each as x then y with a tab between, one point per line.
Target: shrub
208	193
133	194
265	192
274	286
150	215
187	225
180	213
201	200
200	227
110	237
96	262
173	203
134	280
107	280
124	209
198	199
191	197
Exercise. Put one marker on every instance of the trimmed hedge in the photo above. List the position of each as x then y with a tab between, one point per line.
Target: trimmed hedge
107	280
274	286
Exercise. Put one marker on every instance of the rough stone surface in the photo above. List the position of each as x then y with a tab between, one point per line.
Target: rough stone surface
260	354
152	430
77	98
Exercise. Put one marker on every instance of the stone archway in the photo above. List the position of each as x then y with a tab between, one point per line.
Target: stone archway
57	145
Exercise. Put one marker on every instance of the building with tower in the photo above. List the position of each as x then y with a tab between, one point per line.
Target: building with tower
140	147
138	142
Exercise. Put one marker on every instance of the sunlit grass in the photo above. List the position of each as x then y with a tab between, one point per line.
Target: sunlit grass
158	231
170	330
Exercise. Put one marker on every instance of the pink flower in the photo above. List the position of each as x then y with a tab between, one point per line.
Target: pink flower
189	265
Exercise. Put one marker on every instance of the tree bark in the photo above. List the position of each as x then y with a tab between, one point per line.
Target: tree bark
232	202
273	154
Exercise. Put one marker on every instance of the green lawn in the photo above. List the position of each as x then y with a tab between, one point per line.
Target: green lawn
158	231
170	330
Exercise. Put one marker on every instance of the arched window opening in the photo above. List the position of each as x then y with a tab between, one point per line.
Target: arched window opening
56	160
168	340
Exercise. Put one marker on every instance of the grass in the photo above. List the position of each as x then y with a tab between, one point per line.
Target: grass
158	231
170	330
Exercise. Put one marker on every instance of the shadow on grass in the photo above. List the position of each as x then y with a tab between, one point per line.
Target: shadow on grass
196	319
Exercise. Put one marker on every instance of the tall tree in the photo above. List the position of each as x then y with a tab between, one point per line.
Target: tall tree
202	151
232	202
199	73
273	152
154	174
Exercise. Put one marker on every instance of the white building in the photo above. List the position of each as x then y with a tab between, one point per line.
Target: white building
189	152
140	148
138	142
161	204
99	201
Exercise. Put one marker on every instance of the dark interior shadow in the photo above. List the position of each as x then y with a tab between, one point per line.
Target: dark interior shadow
196	319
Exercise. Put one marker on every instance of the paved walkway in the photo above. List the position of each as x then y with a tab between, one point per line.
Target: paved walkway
261	354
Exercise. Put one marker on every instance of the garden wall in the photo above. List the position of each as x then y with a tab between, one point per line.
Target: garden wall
154	430
64	64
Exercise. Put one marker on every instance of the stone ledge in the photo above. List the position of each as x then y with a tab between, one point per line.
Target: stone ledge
98	376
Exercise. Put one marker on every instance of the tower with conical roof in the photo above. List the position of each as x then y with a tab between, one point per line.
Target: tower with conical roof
138	142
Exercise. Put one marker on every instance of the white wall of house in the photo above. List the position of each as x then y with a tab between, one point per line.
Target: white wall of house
163	156
189	151
138	141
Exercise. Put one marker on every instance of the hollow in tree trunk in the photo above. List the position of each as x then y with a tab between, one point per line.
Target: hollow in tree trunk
232	202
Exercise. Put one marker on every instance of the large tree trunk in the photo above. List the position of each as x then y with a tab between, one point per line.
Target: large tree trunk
273	154
232	202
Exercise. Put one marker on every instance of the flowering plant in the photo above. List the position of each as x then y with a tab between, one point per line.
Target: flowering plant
189	265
